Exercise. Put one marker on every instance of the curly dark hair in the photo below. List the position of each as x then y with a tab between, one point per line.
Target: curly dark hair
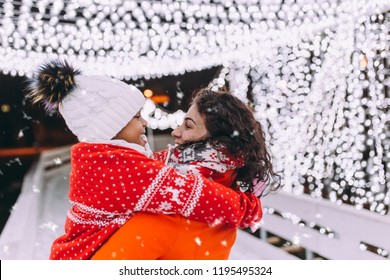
231	122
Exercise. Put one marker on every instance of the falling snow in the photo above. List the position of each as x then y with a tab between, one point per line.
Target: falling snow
198	241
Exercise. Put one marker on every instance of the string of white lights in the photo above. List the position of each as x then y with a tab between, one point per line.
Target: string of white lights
317	71
133	39
324	106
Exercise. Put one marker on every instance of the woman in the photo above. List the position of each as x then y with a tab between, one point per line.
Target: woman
221	140
112	175
222	121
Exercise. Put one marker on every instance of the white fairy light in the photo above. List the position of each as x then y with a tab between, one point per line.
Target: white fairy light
316	70
318	118
215	32
159	119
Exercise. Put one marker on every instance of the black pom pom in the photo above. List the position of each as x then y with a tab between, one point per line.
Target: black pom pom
53	82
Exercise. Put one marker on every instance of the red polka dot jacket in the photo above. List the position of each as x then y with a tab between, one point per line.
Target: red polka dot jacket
109	183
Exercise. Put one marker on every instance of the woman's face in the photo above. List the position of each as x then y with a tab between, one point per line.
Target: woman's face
134	131
192	129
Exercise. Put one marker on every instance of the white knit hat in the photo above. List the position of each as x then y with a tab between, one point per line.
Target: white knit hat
95	108
99	107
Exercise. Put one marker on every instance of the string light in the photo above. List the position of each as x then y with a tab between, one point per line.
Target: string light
158	119
323	102
132	39
316	71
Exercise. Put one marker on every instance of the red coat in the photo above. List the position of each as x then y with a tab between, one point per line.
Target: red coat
109	183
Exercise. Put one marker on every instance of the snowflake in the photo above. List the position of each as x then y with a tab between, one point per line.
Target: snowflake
6	249
165	206
216	222
57	161
198	241
180	182
50	225
20	134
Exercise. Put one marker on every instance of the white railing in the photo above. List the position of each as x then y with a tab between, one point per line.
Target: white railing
39	212
318	227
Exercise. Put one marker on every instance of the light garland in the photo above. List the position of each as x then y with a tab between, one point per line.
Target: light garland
159	119
326	111
316	70
133	39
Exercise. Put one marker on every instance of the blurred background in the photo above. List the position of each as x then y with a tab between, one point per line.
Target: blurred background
315	72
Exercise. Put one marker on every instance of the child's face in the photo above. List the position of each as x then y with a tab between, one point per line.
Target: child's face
134	131
192	129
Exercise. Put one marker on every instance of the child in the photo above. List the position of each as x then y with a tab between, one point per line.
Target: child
112	178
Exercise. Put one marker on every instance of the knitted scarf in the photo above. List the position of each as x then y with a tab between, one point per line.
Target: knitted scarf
213	161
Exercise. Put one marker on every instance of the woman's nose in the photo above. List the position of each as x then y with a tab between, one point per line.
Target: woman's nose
175	133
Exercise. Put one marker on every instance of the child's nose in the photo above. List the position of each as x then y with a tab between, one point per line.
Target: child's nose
144	122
